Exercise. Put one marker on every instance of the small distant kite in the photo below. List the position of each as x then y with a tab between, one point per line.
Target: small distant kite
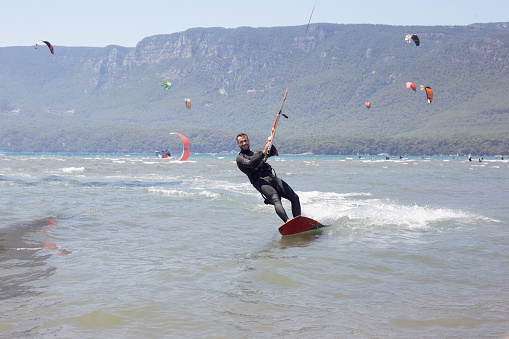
188	103
411	85
410	37
429	93
167	85
368	104
47	43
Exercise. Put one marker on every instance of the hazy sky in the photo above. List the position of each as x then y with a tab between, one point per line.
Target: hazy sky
114	22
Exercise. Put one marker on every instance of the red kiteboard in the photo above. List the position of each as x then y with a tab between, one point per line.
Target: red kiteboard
298	225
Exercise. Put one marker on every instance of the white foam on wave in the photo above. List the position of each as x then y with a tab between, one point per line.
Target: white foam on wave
145	177
206	184
386	213
209	194
73	169
361	209
169	192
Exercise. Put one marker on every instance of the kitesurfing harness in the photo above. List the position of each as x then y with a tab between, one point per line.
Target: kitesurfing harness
261	170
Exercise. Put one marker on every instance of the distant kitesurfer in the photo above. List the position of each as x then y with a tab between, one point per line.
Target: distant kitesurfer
263	179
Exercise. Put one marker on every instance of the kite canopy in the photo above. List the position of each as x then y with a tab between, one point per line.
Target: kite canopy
187	147
167	84
410	85
412	37
45	42
368	104
188	103
429	94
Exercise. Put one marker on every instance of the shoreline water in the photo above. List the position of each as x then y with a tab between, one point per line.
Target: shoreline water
138	246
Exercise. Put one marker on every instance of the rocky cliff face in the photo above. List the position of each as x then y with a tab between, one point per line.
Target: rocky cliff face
225	54
246	68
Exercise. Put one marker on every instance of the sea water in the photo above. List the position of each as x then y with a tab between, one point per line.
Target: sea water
134	246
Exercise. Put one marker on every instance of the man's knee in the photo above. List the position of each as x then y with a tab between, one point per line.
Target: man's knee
273	199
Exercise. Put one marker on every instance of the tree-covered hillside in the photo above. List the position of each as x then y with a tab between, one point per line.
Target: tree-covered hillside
111	99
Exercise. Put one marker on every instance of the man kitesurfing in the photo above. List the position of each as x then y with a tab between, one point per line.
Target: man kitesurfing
262	177
260	174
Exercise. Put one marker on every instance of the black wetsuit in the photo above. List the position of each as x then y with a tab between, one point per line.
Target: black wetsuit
267	183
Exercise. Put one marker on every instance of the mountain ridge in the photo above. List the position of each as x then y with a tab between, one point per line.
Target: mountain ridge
236	79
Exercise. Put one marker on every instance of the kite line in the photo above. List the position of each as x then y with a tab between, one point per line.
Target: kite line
280	112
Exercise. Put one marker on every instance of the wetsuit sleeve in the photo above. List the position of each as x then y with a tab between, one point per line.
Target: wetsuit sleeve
273	151
245	161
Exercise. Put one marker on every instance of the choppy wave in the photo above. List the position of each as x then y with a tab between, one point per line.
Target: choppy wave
169	192
367	211
73	170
